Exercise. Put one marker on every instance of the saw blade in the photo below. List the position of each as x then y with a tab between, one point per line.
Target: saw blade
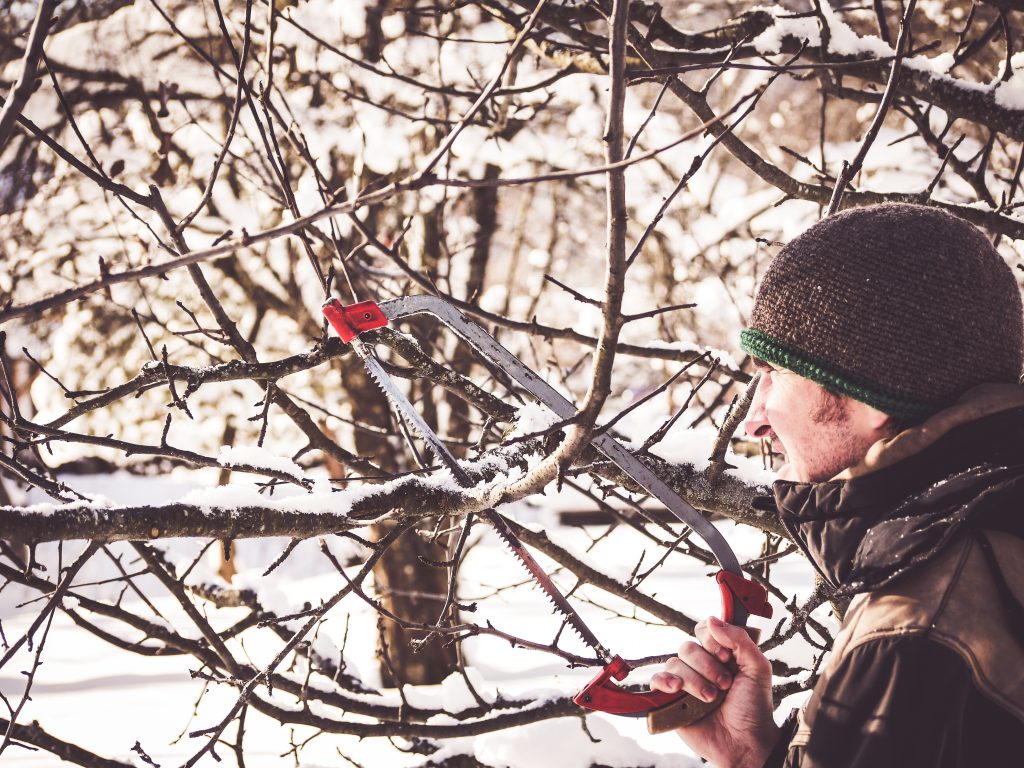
412	418
543	580
495	354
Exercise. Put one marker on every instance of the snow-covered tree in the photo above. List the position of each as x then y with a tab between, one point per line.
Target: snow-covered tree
599	185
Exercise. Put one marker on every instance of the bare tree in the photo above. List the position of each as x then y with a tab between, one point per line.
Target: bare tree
182	185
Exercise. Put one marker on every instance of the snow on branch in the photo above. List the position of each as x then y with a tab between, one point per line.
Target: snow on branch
599	186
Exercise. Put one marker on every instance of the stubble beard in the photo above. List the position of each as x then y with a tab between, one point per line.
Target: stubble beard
831	416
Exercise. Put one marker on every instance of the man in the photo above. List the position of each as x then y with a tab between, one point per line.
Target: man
889	340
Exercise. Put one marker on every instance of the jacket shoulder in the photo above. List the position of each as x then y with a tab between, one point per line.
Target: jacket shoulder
953	600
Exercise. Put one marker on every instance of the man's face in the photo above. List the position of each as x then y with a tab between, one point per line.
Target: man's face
819	433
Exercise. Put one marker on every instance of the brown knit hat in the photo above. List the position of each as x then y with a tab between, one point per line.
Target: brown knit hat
903	307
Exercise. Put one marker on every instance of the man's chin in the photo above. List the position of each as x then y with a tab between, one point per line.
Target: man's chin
786	472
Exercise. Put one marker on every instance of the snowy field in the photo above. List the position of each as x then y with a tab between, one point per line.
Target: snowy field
105	699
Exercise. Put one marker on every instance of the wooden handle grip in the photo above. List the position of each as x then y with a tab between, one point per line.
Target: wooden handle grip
681	713
688	709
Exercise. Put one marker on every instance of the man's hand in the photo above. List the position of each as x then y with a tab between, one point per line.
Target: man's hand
742	732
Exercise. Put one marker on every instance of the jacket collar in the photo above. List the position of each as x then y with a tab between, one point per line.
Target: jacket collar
902	503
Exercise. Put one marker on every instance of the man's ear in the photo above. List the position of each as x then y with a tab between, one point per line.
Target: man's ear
881	422
874	419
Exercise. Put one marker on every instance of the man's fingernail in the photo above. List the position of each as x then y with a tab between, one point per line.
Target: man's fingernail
715	621
724	681
709	694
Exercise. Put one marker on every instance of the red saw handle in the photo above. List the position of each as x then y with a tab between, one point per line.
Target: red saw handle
349	321
668	711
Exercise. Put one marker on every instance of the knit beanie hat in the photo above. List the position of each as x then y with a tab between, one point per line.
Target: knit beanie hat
903	307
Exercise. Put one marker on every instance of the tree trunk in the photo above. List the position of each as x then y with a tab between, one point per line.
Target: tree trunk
406	586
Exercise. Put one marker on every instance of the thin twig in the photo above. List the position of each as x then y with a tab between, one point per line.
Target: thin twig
25	84
851	169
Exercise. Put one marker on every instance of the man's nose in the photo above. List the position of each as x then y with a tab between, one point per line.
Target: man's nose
756	424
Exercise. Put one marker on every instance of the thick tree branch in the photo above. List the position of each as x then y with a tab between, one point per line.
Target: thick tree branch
34	735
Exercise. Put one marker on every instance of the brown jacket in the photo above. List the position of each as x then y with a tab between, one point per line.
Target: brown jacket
927	534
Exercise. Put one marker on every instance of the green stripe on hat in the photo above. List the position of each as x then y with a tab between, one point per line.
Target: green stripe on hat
771	350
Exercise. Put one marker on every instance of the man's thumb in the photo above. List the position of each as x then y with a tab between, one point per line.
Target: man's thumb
748	656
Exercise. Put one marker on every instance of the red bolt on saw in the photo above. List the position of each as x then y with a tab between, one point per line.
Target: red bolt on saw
741	597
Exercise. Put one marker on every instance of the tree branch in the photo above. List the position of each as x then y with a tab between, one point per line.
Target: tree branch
26	82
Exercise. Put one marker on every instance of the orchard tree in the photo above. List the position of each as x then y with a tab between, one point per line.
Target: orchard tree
182	185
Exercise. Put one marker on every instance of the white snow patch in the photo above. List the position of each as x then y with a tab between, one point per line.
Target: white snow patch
770	41
1010	94
533	418
939	65
562	742
70	603
453	694
256	456
48	508
844	41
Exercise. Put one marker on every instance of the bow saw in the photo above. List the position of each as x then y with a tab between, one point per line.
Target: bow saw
741	597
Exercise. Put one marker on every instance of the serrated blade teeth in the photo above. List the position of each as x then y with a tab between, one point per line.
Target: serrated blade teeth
411	418
556	598
415	422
